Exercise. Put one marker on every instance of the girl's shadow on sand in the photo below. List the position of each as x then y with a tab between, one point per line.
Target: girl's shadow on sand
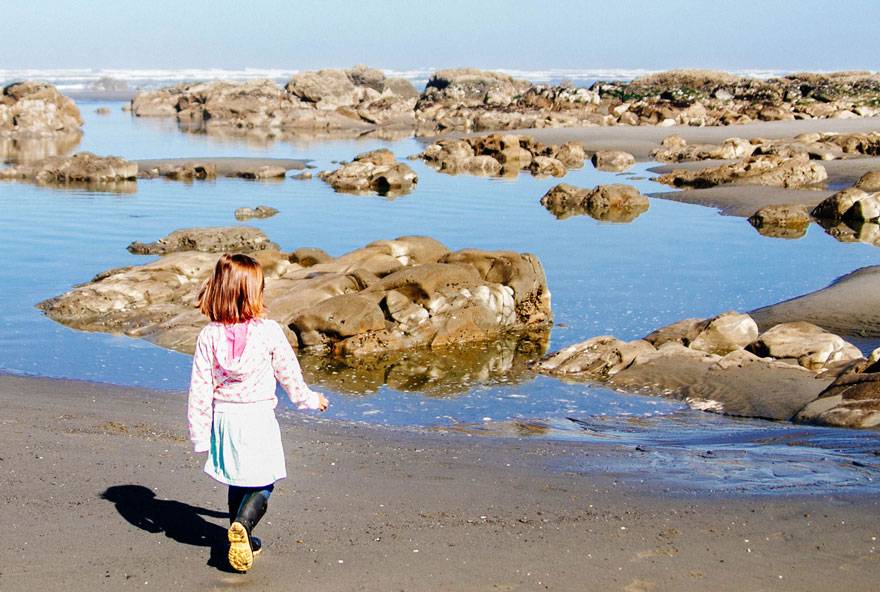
178	521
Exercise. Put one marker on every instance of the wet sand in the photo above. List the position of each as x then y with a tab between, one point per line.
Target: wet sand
99	489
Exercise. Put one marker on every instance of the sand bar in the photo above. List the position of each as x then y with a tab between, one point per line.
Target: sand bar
225	165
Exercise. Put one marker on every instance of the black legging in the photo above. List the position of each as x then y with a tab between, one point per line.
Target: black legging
248	504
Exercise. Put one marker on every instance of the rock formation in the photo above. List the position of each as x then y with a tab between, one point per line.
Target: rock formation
851	204
363	99
608	203
36	109
207	240
782	221
376	171
722	364
813	146
852	400
771	170
83	167
358	98
257	212
612	160
503	155
388	296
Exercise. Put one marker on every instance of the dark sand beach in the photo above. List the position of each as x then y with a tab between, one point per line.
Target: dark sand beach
100	490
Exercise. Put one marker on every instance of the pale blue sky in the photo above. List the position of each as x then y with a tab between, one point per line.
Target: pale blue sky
771	34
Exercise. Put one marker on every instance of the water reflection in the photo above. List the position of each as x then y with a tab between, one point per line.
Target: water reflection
27	150
265	137
447	372
603	213
852	231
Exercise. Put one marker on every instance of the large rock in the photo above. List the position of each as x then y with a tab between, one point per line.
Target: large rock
851	401
771	170
870	181
37	109
257	212
704	362
850	204
83	167
375	171
781	221
207	240
611	203
388	296
810	346
612	160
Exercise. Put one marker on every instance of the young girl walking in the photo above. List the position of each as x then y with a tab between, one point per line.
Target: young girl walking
238	357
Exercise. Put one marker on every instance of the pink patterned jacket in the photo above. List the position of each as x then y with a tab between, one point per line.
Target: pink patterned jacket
249	378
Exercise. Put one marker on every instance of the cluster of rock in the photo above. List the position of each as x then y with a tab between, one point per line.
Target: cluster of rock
359	97
607	203
503	155
849	215
37	109
83	167
376	171
388	296
704	98
713	364
257	212
815	146
466	99
770	170
209	169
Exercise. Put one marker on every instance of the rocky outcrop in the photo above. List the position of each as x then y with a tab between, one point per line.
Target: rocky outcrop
607	203
257	212
83	167
612	160
376	171
357	98
852	400
782	221
207	240
181	171
502	155
771	171
469	100
851	204
36	109
813	146
388	296
720	364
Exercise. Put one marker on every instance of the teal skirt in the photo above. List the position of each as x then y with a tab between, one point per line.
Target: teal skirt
246	445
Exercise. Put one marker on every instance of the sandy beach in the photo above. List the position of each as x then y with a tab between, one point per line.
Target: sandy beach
100	489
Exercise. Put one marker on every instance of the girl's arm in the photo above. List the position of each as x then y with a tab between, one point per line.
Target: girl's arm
201	396
289	374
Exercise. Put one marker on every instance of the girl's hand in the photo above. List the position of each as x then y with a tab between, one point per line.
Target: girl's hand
323	403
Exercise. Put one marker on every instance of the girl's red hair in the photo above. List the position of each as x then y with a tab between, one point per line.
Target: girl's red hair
234	292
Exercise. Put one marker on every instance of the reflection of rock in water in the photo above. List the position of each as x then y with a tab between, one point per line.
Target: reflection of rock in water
443	372
264	137
17	150
787	221
851	231
606	203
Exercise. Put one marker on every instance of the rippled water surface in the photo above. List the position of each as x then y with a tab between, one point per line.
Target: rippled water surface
674	261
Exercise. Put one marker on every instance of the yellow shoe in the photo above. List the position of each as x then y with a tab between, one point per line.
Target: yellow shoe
241	557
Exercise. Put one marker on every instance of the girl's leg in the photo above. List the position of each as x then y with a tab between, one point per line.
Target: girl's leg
251	508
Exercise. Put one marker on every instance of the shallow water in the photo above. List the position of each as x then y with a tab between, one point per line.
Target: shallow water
674	261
